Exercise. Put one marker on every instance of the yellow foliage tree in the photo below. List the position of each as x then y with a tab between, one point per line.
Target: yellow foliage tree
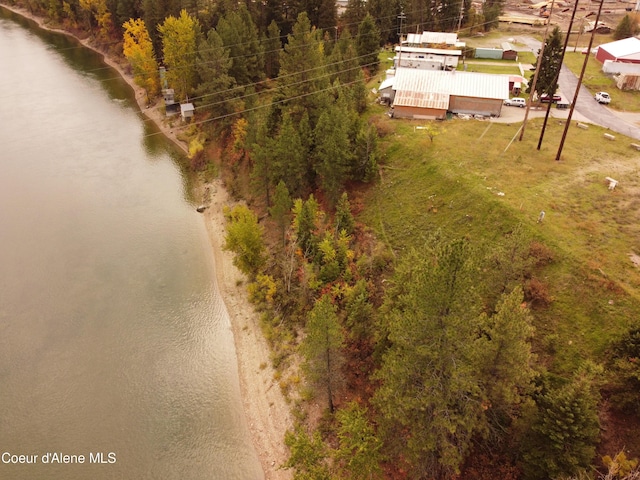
139	51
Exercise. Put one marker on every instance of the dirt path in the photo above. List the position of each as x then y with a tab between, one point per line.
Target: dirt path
267	412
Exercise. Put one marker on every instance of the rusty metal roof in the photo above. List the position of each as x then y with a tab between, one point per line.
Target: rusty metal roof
432	88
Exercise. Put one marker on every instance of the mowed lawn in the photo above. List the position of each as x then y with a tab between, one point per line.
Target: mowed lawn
472	182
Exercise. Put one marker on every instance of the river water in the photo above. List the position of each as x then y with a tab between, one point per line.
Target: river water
115	347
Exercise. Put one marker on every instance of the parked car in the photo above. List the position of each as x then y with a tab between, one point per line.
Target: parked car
602	97
516	102
544	98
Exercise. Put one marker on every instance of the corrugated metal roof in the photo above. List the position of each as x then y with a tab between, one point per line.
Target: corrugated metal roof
622	48
388	82
416	84
506	46
425	50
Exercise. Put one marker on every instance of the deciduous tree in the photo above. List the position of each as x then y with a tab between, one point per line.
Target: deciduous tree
179	47
244	238
138	49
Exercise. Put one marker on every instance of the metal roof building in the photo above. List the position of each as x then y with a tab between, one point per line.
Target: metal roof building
625	51
429	38
431	93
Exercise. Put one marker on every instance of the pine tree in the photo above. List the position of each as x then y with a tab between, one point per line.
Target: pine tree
281	208
567	428
333	155
216	88
353	15
306	215
240	36
272	47
344	218
628	27
359	446
322	346
385	13
550	64
430	399
302	71
368	44
507	354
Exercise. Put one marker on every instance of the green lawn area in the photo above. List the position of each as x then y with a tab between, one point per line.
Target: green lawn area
473	66
466	184
596	80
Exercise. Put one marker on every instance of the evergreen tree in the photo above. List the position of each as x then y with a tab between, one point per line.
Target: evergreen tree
321	348
365	166
333	155
179	46
566	429
216	90
430	397
359	446
491	10
385	13
321	13
368	44
344	219
302	72
240	36
308	455
550	64
353	15
291	157
281	207
305	225
507	362
272	49
138	49
628	27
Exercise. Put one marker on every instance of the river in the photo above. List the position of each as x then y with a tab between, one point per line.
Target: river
115	347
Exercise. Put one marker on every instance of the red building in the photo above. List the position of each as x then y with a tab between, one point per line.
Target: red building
624	51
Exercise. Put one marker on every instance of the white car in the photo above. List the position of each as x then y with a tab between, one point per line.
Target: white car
602	97
516	102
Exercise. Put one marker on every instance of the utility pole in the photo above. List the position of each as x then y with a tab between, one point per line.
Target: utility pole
555	80
462	12
402	16
535	75
575	96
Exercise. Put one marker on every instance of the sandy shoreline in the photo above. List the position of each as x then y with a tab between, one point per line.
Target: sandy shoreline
266	410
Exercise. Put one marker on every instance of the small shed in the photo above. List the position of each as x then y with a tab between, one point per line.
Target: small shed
493	53
508	52
187	111
626	50
386	91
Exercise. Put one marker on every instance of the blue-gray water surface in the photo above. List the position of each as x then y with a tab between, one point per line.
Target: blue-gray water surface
115	348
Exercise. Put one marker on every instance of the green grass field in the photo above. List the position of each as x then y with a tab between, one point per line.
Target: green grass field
466	184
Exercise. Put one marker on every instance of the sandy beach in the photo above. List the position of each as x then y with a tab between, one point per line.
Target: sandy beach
266	409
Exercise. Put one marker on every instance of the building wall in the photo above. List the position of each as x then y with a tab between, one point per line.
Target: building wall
475	105
419	113
509	55
603	55
493	53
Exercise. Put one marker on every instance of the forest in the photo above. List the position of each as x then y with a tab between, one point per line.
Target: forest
423	359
